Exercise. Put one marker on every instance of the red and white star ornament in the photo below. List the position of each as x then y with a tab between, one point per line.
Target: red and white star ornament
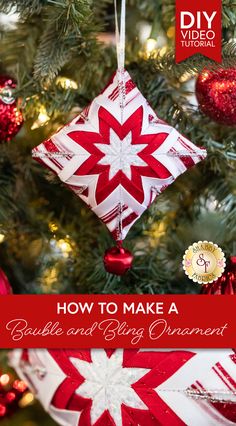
118	156
146	387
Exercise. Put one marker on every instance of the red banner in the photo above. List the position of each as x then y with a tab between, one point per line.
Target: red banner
113	321
198	29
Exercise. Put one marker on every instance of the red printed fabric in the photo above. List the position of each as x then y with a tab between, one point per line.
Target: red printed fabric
118	156
143	387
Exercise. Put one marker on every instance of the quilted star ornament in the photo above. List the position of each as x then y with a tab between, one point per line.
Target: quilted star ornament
118	156
118	160
146	387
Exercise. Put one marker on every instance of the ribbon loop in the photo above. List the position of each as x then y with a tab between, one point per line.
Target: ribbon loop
120	34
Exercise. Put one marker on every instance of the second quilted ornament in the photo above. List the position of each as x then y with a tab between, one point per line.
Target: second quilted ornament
146	387
118	156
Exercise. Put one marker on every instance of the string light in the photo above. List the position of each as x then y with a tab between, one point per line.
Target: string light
26	400
156	40
152	50
2	238
65	246
42	119
156	232
20	385
4	379
150	46
62	247
50	277
10	397
53	226
162	51
11	392
171	32
66	83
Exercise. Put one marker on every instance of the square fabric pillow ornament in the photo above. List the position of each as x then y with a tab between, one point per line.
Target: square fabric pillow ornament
137	387
118	156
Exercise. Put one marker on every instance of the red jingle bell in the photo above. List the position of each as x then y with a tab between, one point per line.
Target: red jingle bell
117	260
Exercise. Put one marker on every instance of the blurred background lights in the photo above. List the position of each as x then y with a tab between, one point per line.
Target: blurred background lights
4	379
2	410
9	20
42	119
2	238
26	400
65	246
67	83
171	32
49	279
53	226
10	397
150	45
20	385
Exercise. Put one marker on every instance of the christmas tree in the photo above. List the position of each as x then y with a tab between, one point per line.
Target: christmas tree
61	54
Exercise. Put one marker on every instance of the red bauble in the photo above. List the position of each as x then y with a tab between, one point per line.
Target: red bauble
11	118
118	260
216	94
5	287
226	284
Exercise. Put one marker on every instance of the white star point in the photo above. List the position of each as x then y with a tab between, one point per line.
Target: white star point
108	384
121	154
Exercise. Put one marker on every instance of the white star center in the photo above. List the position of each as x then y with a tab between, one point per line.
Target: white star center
108	384
121	154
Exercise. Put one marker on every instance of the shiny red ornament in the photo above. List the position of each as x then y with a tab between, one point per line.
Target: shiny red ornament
5	287
11	118
118	260
216	95
226	284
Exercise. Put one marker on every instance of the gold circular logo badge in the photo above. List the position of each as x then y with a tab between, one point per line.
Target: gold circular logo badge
204	262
